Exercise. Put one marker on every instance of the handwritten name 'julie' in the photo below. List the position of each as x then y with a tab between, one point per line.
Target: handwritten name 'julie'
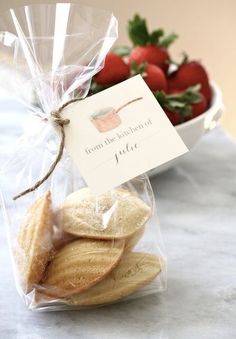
128	148
125	151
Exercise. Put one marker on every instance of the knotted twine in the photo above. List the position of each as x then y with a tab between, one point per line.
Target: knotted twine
59	122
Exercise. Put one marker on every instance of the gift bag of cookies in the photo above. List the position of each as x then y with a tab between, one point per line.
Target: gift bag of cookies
71	248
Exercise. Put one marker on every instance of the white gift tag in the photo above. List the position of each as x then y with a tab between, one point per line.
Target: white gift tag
118	134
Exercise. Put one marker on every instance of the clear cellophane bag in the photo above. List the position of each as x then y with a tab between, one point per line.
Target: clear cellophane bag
70	249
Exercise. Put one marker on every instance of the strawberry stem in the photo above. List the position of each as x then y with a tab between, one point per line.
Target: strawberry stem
180	102
138	68
138	31
185	60
121	50
168	40
140	35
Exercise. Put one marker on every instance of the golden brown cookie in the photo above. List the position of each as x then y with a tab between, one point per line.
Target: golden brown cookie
34	243
60	239
134	271
80	265
115	215
132	241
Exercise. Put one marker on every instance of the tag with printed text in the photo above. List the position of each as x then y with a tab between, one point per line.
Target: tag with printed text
118	134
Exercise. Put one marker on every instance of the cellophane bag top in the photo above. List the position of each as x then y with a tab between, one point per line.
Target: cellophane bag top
70	248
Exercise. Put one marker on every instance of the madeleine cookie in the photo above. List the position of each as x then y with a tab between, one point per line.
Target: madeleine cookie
80	265
134	271
132	241
113	215
34	242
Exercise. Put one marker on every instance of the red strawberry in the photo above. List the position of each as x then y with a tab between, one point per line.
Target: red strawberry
152	54
174	117
184	105
199	107
173	85
189	74
115	70
155	78
206	92
150	47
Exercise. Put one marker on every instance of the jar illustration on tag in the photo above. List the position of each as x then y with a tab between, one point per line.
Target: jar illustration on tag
108	118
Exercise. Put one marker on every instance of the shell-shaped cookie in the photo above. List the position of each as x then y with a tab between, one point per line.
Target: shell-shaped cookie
114	215
34	243
132	241
134	271
81	264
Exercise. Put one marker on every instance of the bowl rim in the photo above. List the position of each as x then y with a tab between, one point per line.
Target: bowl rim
216	103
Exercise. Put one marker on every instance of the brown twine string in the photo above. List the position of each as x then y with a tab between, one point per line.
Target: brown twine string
60	122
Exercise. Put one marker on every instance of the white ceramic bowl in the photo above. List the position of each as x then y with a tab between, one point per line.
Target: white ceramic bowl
192	130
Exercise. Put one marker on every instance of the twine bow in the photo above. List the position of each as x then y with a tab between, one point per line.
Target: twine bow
60	122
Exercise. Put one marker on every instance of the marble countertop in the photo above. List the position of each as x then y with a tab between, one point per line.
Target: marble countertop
196	203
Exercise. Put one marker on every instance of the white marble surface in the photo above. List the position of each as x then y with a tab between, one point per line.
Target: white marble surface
196	203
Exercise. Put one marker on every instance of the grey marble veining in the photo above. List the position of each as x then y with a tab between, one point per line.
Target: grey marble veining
196	203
